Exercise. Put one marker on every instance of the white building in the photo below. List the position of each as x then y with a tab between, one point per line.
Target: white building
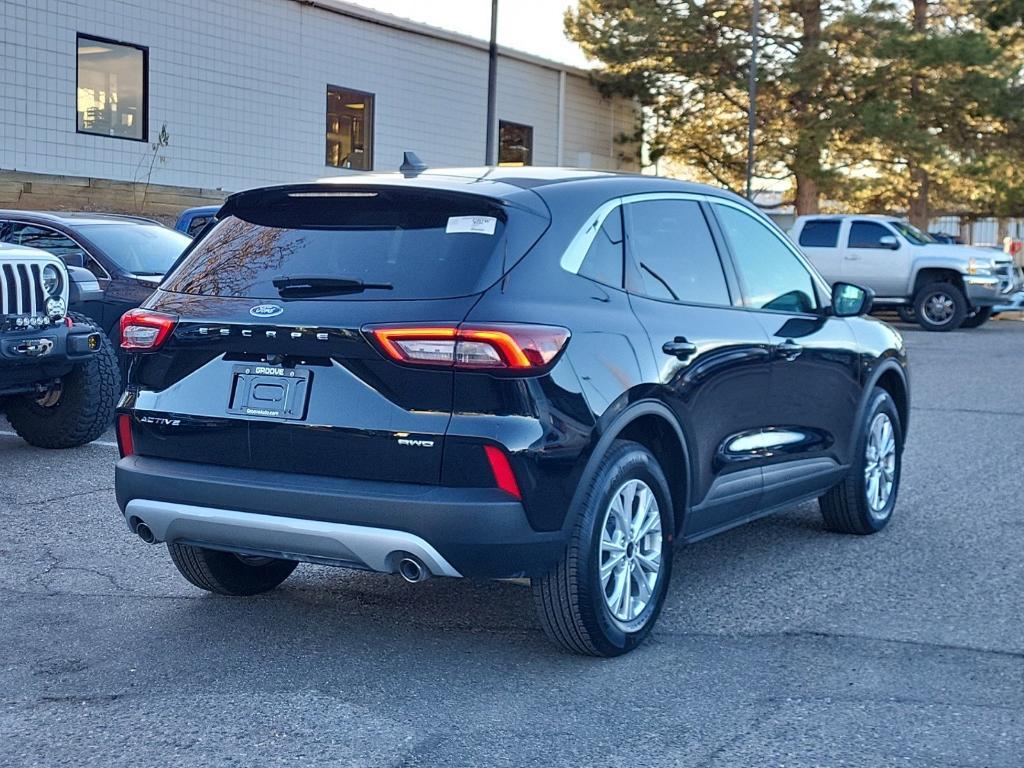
265	91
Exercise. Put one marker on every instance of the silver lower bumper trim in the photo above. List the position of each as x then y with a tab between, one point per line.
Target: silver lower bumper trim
289	537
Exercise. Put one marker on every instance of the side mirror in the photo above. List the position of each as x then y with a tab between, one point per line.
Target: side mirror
850	300
890	242
74	258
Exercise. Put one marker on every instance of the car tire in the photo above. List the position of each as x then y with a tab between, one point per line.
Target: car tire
977	318
940	307
906	314
225	573
83	407
855	505
581	610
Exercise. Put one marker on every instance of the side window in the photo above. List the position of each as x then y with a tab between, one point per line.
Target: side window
820	234
868	234
673	253
197	224
603	261
771	274
44	239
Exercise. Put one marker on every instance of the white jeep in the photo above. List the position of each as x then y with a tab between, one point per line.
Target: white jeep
59	379
940	286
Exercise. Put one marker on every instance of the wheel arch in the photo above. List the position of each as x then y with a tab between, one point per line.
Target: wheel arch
927	275
890	376
652	424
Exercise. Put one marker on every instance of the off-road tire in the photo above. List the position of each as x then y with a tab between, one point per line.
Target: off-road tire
86	406
978	318
906	314
569	599
956	297
225	573
844	507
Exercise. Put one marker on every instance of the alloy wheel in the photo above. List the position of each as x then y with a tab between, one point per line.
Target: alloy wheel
631	541
939	308
880	464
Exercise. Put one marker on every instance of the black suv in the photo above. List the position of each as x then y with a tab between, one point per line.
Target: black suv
506	373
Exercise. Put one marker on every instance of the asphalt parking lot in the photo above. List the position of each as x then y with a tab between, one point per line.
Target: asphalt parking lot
780	644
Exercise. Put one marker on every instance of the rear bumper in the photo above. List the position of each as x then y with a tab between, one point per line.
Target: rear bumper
474	532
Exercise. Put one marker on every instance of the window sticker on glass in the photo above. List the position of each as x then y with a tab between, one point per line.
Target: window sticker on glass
481	225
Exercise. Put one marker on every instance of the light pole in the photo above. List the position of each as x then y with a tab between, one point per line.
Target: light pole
755	18
492	81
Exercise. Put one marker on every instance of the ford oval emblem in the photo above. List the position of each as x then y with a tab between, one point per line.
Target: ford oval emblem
266	310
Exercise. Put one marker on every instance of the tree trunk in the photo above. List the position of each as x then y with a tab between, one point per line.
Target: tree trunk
919	202
806	164
807	196
918	175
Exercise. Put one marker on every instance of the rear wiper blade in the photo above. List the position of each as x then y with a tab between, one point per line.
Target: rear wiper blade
318	285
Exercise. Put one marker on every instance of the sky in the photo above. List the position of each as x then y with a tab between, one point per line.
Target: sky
533	26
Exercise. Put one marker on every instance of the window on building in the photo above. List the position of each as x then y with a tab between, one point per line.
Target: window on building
112	83
515	143
349	129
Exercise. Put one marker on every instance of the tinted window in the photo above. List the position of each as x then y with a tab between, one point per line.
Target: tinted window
773	277
197	224
603	261
672	250
139	249
868	234
44	238
422	245
820	234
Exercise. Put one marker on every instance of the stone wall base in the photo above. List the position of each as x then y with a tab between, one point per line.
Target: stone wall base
44	192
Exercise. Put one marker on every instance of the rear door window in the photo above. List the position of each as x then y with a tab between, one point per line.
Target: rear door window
379	244
820	234
673	253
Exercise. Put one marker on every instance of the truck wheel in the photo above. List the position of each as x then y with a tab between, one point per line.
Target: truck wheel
907	314
605	595
225	573
978	318
940	307
79	409
863	502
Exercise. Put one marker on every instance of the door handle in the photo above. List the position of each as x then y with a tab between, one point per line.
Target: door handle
852	257
789	349
679	347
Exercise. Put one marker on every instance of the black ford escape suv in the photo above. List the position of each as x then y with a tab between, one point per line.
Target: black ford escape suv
499	373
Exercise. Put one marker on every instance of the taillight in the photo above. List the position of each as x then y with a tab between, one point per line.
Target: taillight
519	347
146	330
125	443
504	478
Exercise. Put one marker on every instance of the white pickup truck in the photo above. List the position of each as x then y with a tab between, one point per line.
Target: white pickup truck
940	286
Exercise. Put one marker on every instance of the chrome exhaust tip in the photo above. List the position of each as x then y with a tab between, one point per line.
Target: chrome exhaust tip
412	570
145	533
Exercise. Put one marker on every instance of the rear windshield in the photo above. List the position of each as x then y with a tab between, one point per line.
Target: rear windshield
389	244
